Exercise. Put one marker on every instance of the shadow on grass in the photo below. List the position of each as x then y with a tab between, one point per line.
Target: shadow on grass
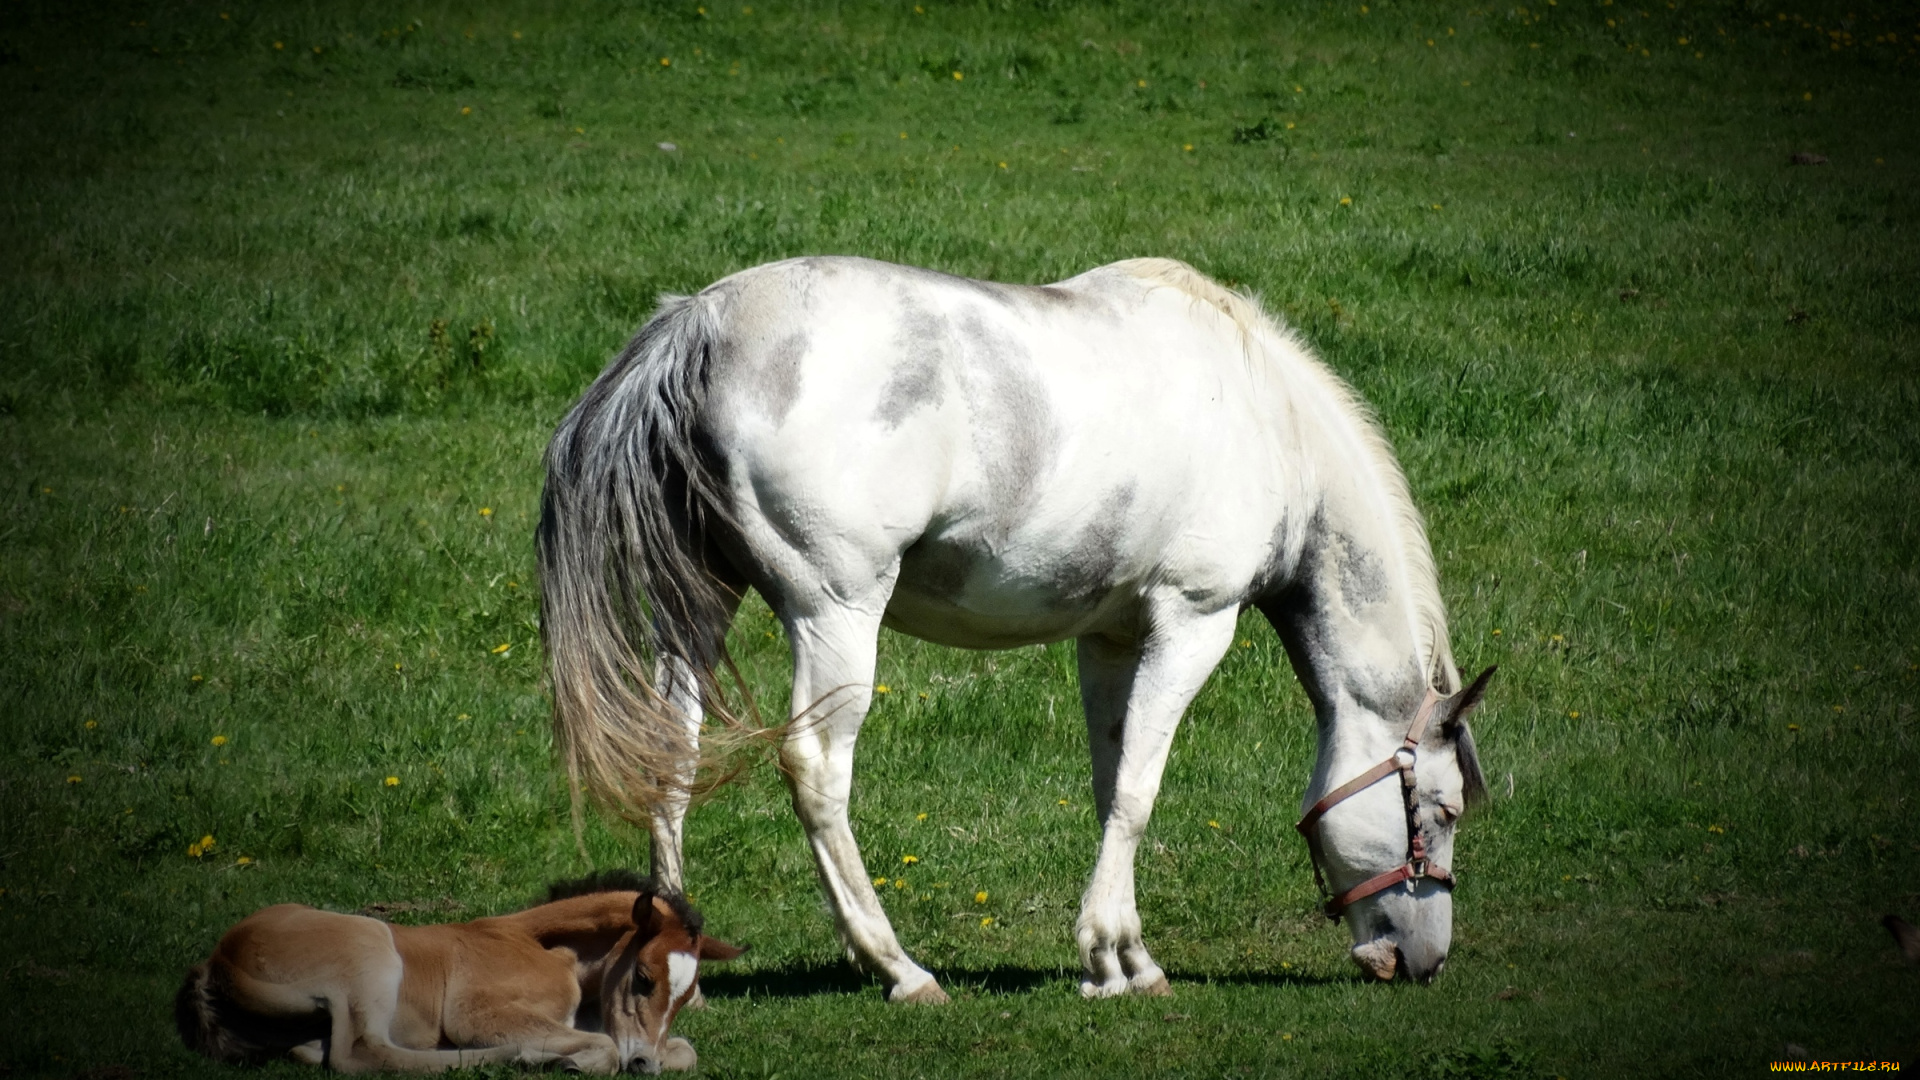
810	980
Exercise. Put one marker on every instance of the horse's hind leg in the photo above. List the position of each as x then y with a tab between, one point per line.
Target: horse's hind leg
1134	696
833	662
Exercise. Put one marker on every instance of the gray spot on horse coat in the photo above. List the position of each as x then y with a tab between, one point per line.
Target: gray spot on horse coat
1096	558
773	384
1014	430
936	569
923	343
1363	576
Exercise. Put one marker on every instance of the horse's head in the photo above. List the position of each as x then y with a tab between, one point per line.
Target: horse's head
657	974
1406	927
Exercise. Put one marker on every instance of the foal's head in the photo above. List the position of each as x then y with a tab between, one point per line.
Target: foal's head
655	973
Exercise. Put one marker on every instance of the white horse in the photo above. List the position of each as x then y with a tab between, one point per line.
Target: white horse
1127	458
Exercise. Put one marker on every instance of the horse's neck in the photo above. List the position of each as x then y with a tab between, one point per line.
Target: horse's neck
1351	617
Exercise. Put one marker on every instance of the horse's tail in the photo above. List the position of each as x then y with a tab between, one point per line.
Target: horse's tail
627	567
198	1012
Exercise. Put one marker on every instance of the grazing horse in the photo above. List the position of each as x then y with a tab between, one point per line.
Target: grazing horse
1128	458
589	982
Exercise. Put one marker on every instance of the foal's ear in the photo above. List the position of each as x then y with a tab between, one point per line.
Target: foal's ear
650	913
715	949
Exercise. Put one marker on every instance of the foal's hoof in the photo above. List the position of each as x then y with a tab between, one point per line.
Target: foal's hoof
927	993
677	1054
1156	986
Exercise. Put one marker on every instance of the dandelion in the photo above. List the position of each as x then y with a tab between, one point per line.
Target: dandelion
199	678
666	61
1003	164
91	724
957	76
1574	715
1715	829
1289	125
1437	206
224	15
74	779
487	511
219	740
1187	147
1213	824
200	847
882	688
1064	802
924	695
1346	200
980	897
1793	727
1286	1036
463	716
1246	644
396	667
516	35
1558	638
879	881
393	781
279	45
1429	43
1839	708
243	861
466	110
899	883
502	647
316	50
1141	83
1496	631
919	817
579	131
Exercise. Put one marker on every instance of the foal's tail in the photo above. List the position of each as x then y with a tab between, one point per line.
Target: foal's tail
201	1011
627	567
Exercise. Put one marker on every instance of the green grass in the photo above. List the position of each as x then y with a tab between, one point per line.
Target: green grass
283	331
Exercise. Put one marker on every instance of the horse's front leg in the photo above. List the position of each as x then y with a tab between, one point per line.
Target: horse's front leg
833	662
1134	695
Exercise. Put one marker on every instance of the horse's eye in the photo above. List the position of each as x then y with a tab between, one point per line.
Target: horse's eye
1449	813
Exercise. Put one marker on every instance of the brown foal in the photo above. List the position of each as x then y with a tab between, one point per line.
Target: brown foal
588	981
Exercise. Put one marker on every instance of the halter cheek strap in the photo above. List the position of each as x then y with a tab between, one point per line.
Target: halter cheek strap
1417	865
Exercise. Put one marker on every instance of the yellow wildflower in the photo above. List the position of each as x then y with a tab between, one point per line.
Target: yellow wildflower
486	511
243	861
980	897
882	688
909	860
986	920
502	647
666	61
219	740
466	110
1574	715
1188	147
957	76
463	716
279	45
1063	802
393	781
73	779
900	883
1346	200
1213	824
919	817
91	724
879	881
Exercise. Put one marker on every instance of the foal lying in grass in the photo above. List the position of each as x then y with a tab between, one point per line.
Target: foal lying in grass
588	981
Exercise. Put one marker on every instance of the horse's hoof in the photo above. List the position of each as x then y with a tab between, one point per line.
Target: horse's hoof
697	1001
1093	990
1154	987
927	993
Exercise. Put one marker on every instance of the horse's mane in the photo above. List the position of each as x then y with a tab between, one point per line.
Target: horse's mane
606	881
1260	333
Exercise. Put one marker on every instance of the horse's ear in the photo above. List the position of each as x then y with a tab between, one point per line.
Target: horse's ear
1453	725
1454	708
715	949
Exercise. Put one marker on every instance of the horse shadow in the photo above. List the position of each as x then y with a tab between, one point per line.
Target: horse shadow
819	980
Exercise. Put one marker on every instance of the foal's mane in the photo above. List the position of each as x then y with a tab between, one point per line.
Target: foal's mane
1264	338
607	881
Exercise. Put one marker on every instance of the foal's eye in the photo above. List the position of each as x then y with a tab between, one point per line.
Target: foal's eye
642	985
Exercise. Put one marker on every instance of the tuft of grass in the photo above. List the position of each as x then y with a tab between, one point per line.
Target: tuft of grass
294	295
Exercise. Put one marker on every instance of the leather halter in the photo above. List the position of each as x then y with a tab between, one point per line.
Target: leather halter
1417	866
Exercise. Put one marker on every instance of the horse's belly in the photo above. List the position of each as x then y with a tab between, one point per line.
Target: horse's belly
951	595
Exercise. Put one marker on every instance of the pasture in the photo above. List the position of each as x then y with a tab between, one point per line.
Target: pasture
292	296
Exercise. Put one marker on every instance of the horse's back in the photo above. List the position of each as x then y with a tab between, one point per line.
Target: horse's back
1028	455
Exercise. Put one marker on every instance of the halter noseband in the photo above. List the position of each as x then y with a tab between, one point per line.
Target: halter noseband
1417	865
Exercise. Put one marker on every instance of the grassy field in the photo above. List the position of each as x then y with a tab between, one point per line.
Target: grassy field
291	297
